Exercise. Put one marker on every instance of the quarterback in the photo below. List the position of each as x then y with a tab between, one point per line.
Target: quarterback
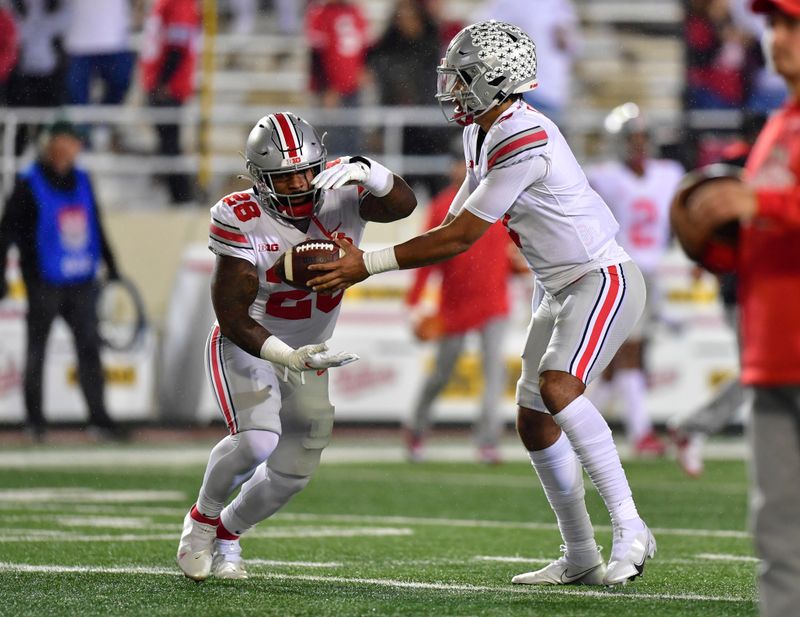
520	170
266	356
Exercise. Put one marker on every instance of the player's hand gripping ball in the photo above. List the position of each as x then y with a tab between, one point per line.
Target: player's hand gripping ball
292	266
694	185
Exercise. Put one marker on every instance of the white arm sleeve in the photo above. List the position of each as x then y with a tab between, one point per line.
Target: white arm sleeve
498	191
460	198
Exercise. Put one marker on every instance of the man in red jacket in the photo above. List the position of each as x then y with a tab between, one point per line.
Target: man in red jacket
169	54
767	261
473	297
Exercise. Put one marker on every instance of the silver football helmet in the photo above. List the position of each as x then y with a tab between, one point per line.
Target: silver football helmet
283	143
484	64
629	132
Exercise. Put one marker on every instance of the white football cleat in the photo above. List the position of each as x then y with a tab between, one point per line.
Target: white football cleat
563	572
227	562
194	549
632	547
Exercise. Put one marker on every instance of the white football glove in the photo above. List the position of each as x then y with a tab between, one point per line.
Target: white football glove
276	351
325	360
370	174
305	358
340	174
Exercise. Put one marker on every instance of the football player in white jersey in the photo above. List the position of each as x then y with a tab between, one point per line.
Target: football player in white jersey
638	188
521	170
266	356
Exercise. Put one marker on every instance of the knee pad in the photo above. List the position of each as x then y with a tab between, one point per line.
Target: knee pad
285	485
256	446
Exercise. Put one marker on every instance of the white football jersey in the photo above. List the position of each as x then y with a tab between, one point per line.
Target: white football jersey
562	226
240	228
640	204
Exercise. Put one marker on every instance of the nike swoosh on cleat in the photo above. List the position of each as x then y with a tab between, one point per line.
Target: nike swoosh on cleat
566	577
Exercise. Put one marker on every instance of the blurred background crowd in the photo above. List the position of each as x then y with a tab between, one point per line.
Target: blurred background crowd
164	92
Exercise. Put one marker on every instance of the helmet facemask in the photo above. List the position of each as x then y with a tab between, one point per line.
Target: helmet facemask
290	206
484	64
280	145
457	99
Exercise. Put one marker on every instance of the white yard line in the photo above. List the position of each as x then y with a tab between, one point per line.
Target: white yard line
111	459
613	594
86	495
610	594
527	482
294	564
453	522
372	519
725	557
10	534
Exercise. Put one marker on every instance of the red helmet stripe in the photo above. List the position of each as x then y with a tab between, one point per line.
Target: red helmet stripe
287	134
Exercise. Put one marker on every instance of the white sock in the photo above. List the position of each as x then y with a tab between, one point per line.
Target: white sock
591	439
633	389
561	476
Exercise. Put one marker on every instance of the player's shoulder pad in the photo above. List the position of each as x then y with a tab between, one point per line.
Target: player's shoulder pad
513	134
225	227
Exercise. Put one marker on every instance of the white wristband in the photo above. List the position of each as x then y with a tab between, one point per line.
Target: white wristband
275	350
380	181
381	261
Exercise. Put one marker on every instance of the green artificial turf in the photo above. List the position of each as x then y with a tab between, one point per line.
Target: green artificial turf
373	539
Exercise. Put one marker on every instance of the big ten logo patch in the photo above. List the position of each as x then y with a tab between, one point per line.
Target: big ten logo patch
271	247
467	378
114	375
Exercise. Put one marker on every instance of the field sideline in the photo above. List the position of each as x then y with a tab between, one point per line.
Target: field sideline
92	530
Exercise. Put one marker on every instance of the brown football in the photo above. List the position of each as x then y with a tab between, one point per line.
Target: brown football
694	184
292	266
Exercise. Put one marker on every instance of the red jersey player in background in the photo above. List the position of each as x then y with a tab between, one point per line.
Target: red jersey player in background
767	261
473	297
638	189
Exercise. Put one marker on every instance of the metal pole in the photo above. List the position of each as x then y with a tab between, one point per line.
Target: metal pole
9	156
207	90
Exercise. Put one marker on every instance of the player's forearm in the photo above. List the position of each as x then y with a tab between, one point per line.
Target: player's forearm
399	203
247	334
430	248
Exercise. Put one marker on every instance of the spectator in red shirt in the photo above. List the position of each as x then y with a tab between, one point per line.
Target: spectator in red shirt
767	261
473	297
716	55
337	34
169	54
8	47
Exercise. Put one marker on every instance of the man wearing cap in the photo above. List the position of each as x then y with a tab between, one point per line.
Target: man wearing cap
53	218
767	261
